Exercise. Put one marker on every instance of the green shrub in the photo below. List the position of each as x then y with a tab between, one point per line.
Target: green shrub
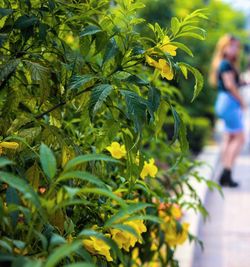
82	92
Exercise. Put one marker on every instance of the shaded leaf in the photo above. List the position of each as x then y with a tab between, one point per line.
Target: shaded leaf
90	30
98	95
85	158
48	161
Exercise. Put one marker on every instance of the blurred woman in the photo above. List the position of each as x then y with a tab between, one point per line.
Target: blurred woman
229	105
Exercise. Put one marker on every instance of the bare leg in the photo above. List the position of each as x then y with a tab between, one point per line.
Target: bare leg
225	143
232	149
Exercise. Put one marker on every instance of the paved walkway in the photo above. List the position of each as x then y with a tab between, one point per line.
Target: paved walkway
226	234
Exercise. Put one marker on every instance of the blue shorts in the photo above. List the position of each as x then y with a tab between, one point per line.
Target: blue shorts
228	109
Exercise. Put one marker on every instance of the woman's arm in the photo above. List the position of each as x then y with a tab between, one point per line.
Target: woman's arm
229	83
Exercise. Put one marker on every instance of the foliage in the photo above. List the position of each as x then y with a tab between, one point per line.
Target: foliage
198	132
81	98
222	19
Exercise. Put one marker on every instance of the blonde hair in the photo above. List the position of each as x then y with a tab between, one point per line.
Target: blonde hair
219	54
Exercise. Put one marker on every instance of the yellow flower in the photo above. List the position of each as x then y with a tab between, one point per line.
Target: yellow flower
151	62
176	211
97	247
149	168
172	236
162	66
166	71
9	145
69	39
125	239
117	151
122	238
164	216
167	47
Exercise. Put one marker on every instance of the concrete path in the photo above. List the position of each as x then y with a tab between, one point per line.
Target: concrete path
226	234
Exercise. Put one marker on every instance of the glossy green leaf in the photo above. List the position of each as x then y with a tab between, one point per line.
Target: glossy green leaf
85	158
81	175
98	96
122	213
90	30
4	162
61	252
48	161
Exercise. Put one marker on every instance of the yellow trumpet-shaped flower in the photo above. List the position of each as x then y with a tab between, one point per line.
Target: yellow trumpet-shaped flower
162	66
8	145
166	71
125	239
116	150
172	236
97	247
167	47
149	168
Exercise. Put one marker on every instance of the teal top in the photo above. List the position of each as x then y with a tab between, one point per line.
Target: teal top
225	66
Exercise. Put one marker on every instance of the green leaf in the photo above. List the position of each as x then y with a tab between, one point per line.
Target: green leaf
126	228
25	22
104	192
191	34
56	240
78	81
4	162
13	198
199	81
80	264
48	161
5	12
33	263
63	251
183	137
136	80
183	47
82	175
136	107
23	187
175	25
98	95
90	30
122	213
177	123
38	72
111	50
184	71
85	158
5	245
150	218
154	98
3	38
7	69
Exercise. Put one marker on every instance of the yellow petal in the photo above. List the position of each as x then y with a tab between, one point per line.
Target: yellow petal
151	62
166	71
116	150
10	145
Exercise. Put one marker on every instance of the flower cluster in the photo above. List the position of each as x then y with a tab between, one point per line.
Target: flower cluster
124	239
162	65
176	233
